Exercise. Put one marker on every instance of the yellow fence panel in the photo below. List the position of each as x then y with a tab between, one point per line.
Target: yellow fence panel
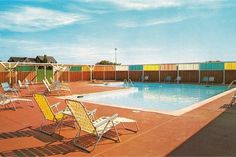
230	66
2	68
85	68
153	67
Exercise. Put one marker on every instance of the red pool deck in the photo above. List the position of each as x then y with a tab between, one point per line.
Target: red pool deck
209	130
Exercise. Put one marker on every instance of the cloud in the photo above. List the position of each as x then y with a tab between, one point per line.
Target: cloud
153	4
82	53
151	22
140	4
31	19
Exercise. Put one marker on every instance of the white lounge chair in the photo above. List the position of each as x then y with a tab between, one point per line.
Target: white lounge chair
178	79
56	89
233	100
6	101
7	88
22	86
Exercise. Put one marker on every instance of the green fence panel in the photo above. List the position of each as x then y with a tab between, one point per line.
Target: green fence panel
217	66
212	66
25	68
40	75
49	73
76	68
135	68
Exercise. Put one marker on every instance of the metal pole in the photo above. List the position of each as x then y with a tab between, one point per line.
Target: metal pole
45	72
9	73
177	78
68	75
82	73
115	71
91	72
103	74
223	76
128	74
199	76
115	56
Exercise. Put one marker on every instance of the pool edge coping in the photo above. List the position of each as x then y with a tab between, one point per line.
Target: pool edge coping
172	113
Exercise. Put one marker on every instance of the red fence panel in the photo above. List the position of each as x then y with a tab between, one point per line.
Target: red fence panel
135	75
152	76
75	76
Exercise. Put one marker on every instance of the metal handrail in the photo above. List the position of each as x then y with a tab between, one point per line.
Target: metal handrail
125	83
230	85
130	82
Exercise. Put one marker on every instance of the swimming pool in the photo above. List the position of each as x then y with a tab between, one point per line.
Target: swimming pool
166	98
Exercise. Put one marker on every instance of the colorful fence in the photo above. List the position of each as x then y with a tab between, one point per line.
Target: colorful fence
188	66
223	72
211	66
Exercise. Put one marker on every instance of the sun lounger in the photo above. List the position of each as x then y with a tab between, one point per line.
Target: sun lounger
22	86
232	101
7	100
97	128
53	114
178	79
167	79
6	88
56	89
57	84
205	79
211	79
49	115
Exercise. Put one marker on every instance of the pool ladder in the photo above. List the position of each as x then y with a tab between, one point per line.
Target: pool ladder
128	83
231	84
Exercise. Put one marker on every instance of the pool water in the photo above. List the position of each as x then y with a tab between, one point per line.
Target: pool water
156	96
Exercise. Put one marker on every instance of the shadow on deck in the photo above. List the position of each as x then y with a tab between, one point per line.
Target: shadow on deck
218	138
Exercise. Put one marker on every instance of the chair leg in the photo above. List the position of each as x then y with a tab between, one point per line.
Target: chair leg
58	125
13	106
118	137
126	128
77	136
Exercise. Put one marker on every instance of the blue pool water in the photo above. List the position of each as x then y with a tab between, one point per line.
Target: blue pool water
155	96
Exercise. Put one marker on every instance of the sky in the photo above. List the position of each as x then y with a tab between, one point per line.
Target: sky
143	31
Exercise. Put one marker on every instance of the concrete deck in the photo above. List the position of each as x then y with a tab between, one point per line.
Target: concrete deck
209	130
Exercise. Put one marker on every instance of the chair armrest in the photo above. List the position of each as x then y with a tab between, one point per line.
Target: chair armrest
59	112
92	112
104	121
55	105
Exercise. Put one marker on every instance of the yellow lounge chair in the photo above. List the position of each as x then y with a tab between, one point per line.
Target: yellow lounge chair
83	122
49	114
55	117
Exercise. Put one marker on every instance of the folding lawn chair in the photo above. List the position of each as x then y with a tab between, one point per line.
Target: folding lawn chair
97	128
7	88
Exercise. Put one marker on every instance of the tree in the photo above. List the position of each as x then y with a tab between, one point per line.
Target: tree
105	62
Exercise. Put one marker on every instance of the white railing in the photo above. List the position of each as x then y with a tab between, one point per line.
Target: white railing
231	84
128	83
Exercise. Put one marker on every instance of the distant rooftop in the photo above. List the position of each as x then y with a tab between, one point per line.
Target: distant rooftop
38	59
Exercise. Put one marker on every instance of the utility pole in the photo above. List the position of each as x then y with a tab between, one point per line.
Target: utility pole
115	56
